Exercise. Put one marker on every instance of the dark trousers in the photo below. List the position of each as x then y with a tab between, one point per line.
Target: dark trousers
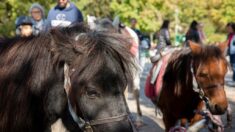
232	61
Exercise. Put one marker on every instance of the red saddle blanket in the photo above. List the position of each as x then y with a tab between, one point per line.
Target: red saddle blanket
153	84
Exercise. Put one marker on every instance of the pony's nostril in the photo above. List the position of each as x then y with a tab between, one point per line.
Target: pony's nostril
219	110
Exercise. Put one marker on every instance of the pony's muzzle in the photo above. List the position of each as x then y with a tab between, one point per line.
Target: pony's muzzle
218	109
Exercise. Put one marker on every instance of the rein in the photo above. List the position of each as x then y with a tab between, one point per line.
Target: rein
84	123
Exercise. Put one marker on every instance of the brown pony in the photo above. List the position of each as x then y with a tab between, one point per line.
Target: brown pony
193	79
32	74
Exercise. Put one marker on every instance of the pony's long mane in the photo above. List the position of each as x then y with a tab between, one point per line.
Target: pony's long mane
24	70
30	68
178	71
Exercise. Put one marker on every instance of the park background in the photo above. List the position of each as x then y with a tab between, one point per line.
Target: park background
214	14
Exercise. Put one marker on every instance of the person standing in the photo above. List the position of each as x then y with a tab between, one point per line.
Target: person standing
64	14
193	34
133	27
36	11
231	49
143	43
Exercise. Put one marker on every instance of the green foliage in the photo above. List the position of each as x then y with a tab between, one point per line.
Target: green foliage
11	9
149	13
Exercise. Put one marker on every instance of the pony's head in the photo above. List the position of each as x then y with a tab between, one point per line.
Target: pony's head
99	74
209	68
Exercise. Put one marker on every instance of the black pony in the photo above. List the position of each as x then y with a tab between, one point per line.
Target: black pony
32	94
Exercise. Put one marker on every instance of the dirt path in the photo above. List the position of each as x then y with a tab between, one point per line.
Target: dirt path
154	124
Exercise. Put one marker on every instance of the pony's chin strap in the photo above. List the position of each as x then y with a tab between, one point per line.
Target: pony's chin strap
80	122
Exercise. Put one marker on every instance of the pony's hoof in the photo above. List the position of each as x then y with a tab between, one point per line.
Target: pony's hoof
138	124
228	126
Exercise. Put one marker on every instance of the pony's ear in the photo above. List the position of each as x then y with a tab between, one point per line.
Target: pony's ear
223	46
196	48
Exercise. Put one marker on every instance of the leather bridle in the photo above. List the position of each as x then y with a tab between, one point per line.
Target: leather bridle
197	88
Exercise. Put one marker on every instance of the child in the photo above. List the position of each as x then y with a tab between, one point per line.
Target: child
24	26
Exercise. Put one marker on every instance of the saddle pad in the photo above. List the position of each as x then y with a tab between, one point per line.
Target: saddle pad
158	83
153	82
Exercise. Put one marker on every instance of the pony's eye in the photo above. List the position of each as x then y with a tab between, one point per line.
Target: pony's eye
92	94
203	75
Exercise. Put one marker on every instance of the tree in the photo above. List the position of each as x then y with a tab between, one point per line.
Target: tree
149	13
11	9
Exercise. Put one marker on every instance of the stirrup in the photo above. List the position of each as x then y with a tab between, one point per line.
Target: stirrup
155	58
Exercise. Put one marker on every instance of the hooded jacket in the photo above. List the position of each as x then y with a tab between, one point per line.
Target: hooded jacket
64	16
39	26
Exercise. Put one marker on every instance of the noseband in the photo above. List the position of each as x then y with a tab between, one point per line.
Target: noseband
84	123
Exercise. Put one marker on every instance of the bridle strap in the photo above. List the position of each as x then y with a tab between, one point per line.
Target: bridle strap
67	85
197	89
80	122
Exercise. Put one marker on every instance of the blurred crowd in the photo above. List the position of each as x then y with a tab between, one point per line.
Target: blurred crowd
65	13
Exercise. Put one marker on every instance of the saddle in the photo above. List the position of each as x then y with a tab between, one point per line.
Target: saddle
153	84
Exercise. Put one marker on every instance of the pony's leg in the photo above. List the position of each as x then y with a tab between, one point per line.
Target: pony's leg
137	96
139	121
158	112
136	93
169	121
198	117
